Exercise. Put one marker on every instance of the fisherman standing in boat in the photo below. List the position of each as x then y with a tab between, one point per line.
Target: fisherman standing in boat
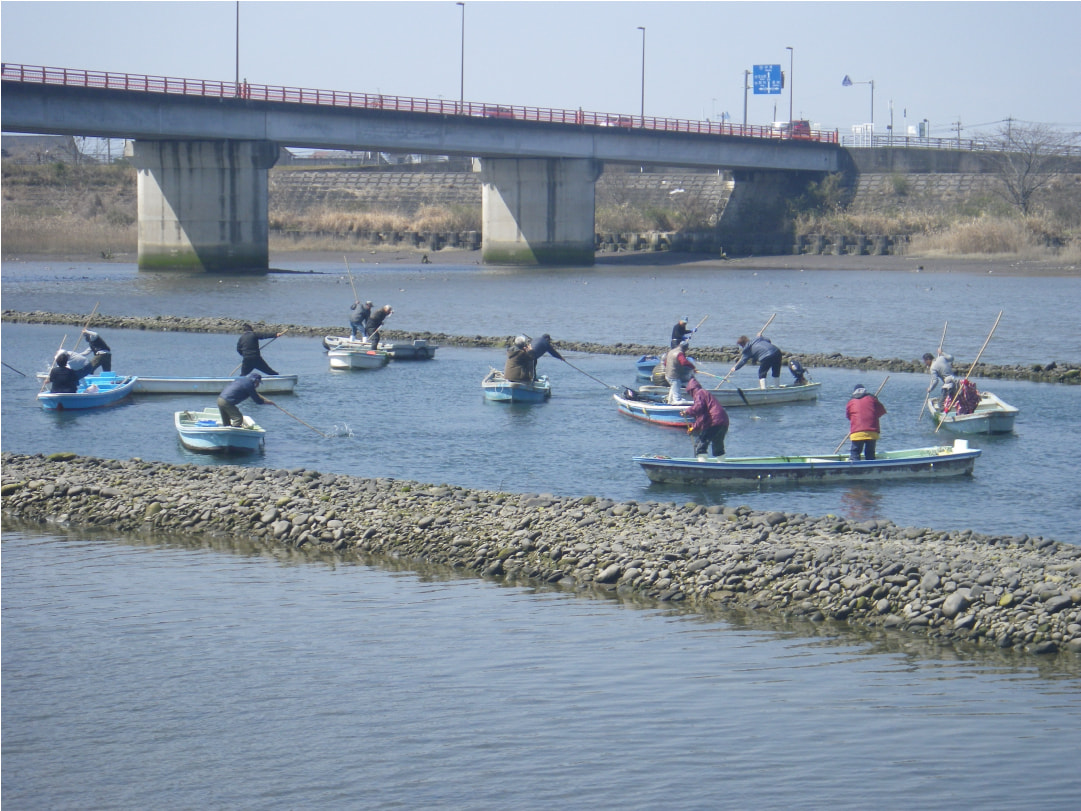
247	346
762	352
678	370
710	420
237	392
65	380
358	320
679	332
940	368
102	352
375	322
863	411
521	364
539	347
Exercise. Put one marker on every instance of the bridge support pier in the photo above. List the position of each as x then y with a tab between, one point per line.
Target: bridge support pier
203	204
538	211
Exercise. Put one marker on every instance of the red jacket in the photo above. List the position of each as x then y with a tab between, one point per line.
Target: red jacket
863	413
707	412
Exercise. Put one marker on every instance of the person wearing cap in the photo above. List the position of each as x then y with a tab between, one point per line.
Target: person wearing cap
247	346
375	323
65	380
521	365
679	332
940	368
358	320
542	346
678	370
762	352
101	350
237	392
710	424
863	411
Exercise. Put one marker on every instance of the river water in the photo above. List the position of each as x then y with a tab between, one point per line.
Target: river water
184	674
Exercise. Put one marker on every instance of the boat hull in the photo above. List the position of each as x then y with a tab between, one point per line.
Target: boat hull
417	349
655	413
95	391
918	463
992	416
271	384
645	365
357	358
730	398
500	390
203	432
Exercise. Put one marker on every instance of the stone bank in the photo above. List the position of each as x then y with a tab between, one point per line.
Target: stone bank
950	587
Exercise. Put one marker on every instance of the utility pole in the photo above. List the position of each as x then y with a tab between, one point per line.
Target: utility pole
746	75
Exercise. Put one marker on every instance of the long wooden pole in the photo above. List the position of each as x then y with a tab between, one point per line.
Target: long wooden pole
973	366
843	441
587	374
356	298
298	419
941	343
767	324
86	326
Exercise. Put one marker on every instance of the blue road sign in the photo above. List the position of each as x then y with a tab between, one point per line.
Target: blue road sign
767	79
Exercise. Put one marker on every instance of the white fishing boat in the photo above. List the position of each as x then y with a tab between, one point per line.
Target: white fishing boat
417	349
992	415
204	432
357	358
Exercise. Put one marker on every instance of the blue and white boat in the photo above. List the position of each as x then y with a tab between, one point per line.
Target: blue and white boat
917	463
498	389
94	391
203	431
736	397
645	365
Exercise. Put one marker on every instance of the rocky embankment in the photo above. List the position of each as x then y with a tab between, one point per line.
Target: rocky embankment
955	587
1049	372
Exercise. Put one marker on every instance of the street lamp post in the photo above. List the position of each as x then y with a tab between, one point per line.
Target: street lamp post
791	82
238	46
847	82
642	28
461	85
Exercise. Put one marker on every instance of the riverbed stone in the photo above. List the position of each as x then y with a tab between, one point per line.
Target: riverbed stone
1007	591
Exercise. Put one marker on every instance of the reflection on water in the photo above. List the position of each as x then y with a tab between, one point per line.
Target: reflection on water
860	504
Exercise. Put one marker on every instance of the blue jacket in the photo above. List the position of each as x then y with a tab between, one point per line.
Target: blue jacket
240	390
758	350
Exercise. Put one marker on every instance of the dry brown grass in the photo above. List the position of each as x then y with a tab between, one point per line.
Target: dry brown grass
65	234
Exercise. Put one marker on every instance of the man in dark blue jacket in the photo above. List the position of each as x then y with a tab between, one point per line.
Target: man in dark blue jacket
65	380
237	392
247	346
762	352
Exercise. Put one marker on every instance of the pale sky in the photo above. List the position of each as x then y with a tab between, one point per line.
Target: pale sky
977	63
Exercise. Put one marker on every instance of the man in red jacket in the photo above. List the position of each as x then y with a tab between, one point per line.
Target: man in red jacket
863	411
710	420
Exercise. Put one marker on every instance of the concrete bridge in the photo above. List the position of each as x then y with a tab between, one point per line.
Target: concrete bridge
203	148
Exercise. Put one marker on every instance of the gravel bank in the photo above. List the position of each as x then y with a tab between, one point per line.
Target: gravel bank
1007	592
1054	372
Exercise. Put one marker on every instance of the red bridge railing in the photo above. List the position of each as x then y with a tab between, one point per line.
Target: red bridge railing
375	101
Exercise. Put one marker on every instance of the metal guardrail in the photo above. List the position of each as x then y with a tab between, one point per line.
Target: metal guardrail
69	77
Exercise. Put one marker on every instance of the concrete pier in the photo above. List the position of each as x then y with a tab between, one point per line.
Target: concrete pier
202	205
538	211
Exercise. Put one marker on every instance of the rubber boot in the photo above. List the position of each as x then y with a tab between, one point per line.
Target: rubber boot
761	382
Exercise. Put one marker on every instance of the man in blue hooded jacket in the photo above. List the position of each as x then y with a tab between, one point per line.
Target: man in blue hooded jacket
237	392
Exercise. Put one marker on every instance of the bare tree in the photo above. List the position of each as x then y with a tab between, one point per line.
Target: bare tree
1028	159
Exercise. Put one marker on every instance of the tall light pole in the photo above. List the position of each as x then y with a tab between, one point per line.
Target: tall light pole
846	82
643	30
461	85
791	82
238	47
